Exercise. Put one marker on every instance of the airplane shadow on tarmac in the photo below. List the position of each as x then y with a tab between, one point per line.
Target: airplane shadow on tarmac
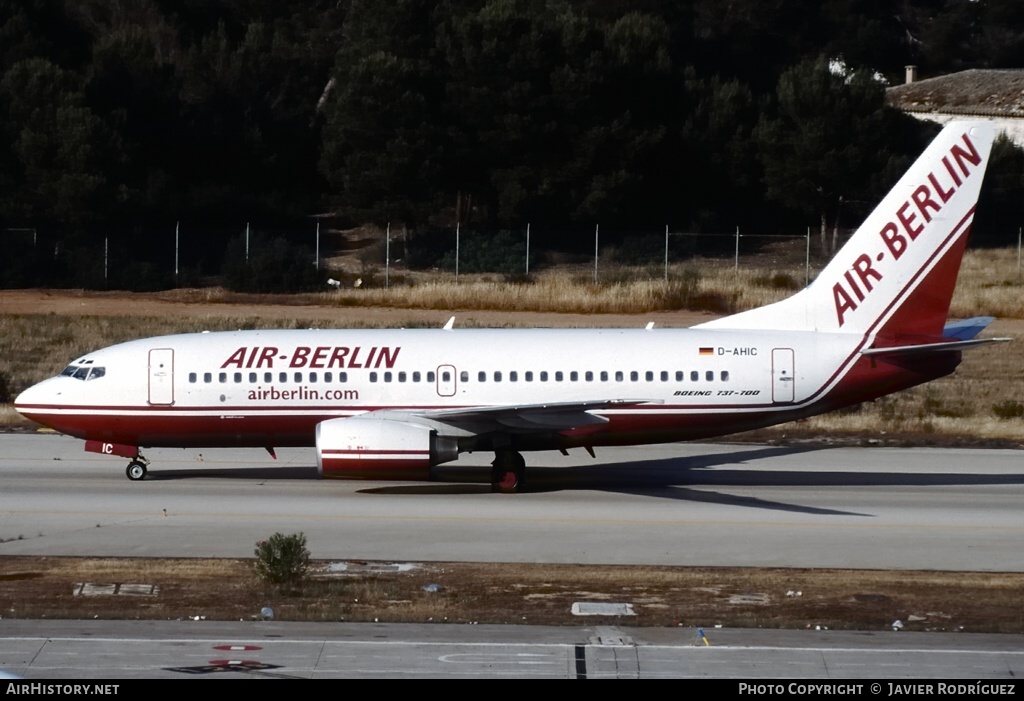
684	478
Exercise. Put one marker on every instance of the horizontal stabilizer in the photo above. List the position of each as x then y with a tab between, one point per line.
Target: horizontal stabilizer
933	347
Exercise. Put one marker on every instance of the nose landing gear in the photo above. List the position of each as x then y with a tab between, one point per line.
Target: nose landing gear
136	469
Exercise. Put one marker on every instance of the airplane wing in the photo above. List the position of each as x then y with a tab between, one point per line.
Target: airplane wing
524	418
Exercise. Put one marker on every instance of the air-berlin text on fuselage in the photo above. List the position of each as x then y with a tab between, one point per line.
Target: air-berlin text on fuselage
315	357
908	221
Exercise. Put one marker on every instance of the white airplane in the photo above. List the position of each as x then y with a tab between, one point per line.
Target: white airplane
392	404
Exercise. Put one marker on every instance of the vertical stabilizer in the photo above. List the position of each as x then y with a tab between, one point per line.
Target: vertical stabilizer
896	274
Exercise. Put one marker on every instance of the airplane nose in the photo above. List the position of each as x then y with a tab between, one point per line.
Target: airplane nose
33	397
24	399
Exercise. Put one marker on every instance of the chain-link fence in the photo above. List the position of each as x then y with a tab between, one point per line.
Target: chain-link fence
258	259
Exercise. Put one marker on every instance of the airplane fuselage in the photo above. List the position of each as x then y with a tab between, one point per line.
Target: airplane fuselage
271	388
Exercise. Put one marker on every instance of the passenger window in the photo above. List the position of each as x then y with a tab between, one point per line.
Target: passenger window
192	377
464	376
725	375
694	376
238	377
664	375
709	375
430	376
497	376
373	377
268	377
342	377
528	375
416	376
252	378
680	375
558	376
223	377
543	375
574	376
649	376
513	376
283	377
481	376
589	376
328	377
446	376
387	377
604	376
312	377
401	377
298	377
619	376
207	377
634	376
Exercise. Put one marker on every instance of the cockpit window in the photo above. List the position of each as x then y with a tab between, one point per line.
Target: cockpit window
83	372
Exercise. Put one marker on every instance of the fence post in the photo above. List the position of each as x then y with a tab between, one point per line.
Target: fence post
736	265
666	253
527	248
807	260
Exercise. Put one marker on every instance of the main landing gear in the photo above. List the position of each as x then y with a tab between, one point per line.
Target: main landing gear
136	469
507	472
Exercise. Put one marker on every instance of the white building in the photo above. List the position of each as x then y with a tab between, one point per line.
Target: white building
994	94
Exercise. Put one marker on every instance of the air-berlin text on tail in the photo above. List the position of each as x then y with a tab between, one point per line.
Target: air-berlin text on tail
908	222
317	357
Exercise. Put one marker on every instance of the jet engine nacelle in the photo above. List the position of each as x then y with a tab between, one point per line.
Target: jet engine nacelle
367	447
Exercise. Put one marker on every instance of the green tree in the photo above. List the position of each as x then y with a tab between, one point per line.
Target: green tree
1000	205
829	138
382	136
57	147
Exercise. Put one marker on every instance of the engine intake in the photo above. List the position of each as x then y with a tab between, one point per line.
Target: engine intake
378	448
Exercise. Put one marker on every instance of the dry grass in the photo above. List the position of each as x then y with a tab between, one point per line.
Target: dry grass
520	593
989	285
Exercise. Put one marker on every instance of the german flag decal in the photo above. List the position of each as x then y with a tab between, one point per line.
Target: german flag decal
707	351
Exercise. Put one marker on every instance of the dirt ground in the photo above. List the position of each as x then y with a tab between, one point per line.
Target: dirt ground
536	594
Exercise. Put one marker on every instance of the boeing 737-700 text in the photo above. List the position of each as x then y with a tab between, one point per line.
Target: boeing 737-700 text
393	404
